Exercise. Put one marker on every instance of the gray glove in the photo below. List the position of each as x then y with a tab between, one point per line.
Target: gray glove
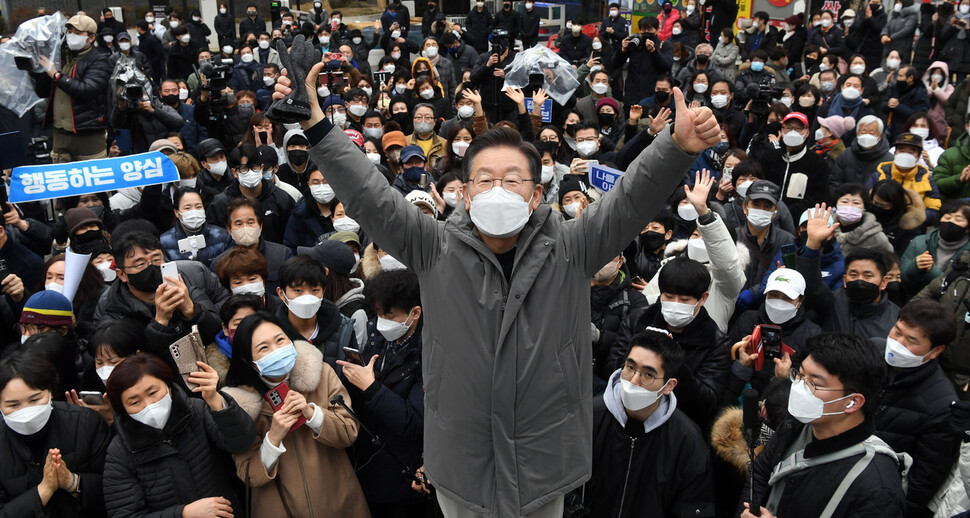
594	332
297	62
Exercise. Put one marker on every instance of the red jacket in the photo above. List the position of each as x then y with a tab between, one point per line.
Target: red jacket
667	23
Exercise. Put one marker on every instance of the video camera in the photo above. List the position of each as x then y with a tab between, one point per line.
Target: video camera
761	95
217	73
500	40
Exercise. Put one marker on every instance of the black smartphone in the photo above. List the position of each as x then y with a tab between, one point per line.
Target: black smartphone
4	272
788	253
353	356
771	343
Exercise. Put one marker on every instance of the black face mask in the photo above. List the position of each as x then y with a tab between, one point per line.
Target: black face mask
667	8
88	237
861	292
507	5
606	119
146	280
171	100
661	97
571	129
881	214
702	59
810	62
950	231
902	85
652	240
297	157
98	210
894	290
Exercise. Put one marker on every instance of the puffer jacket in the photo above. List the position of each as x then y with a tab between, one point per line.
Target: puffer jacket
900	28
306	224
293	486
725	59
216	239
728	262
867	234
918	179
913	416
479	330
83	439
857	165
952	163
156	473
952	289
956	109
955	497
86	82
939	96
609	306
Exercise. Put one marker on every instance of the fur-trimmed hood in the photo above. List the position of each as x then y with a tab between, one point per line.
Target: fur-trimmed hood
679	247
304	378
727	438
370	264
915	214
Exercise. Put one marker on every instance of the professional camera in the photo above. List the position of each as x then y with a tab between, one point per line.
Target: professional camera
217	73
635	41
500	40
131	84
761	96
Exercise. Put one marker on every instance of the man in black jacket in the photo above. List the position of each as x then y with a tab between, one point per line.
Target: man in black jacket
611	298
684	285
914	405
869	149
478	25
865	35
759	233
614	27
802	174
833	399
509	19
149	45
252	23
529	27
648	60
488	77
77	94
648	457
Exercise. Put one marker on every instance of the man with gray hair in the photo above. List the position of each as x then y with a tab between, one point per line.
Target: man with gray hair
869	148
701	61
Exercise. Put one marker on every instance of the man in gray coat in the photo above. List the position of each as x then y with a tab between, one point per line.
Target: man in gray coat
505	285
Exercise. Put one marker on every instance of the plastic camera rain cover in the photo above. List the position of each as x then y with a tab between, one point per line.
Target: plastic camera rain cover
36	37
559	77
126	72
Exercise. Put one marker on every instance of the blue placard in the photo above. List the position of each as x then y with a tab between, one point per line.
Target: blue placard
43	182
603	178
546	109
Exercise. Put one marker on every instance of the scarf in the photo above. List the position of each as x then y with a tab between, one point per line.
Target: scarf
822	149
840	105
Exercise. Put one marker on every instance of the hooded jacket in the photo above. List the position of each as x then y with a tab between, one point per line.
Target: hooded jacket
939	96
292	487
663	469
857	165
918	179
286	173
481	328
952	163
900	29
867	234
913	416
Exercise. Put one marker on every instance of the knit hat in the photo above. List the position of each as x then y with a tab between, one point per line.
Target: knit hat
394	138
48	308
331	100
571	183
838	125
334	255
78	217
608	101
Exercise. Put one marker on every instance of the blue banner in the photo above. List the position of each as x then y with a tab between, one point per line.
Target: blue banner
43	182
602	177
546	109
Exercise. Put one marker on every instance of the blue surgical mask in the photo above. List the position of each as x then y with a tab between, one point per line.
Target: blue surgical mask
278	363
757	66
413	174
721	147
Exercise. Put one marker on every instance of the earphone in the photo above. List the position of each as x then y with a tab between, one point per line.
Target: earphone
850	405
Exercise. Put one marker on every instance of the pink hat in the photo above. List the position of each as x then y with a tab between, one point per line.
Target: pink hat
836	124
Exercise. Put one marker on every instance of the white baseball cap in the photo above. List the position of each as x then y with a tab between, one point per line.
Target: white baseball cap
787	281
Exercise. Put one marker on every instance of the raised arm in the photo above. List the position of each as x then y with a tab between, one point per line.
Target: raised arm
612	222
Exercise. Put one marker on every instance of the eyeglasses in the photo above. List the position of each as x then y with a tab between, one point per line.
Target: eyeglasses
141	265
245	169
426	118
32	329
792	127
646	378
794	376
511	182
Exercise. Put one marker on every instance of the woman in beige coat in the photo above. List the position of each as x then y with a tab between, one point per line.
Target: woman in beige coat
303	472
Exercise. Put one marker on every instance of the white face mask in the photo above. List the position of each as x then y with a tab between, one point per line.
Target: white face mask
636	398
196	19
193	219
897	355
586	148
223	10
459	147
340	120
793	139
149	19
107	272
857	69
614	13
760	219
965	9
924	133
677	314
700	88
395	35
173	24
156	414
124	46
392	330
264	44
109	39
53	286
742	188
257	288
30	420
780	311
357	110
548	172
367	90
246	58
431	52
805	406
451	199
389	68
904	161
571	209
345	224
827	86
427	93
893	64
304	306
323	91
356	40
597	45
806	102
183	94
104	371
390	263
188	182
697	250
676	31
786	101
76	42
851	93
185	38
218	169
246	236
500	213
599	88
819	135
375	158
826	23
268	81
528	6
250	179
867	141
719	101
898	7
322	193
687	212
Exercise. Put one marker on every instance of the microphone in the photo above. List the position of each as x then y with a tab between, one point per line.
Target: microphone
750	416
337	400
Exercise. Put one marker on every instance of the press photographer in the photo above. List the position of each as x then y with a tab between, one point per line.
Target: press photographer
136	109
216	109
76	94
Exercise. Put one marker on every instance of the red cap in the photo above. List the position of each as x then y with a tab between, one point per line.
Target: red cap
796	115
355	136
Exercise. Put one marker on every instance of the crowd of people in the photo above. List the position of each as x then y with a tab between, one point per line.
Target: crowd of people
382	310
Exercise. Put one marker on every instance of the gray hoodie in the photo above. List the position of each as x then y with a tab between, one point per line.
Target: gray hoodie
615	405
